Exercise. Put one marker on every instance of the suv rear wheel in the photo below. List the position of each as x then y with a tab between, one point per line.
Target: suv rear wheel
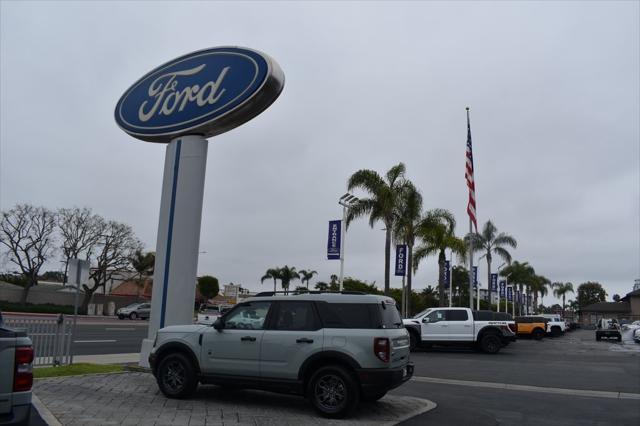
333	391
133	316
538	333
176	376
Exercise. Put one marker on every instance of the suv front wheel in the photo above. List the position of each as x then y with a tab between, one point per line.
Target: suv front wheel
333	391
176	376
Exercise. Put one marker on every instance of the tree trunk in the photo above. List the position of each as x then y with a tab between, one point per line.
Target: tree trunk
274	285
535	302
387	256
441	259
25	293
409	268
86	299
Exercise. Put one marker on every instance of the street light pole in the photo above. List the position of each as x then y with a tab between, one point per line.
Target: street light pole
346	201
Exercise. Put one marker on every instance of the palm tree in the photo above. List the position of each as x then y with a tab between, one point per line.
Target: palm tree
490	242
561	290
272	273
385	195
519	273
306	276
405	227
143	263
286	276
539	285
436	233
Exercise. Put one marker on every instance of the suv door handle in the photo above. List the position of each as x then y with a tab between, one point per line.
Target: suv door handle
248	339
304	340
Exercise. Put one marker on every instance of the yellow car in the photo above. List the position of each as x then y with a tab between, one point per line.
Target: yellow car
531	326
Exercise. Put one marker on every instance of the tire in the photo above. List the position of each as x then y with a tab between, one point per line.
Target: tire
538	334
598	337
490	343
619	338
133	316
176	376
374	397
333	391
413	341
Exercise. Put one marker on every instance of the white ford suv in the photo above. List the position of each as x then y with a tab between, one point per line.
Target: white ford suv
335	349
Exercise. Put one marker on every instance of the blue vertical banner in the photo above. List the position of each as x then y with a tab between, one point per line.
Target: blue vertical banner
333	241
510	294
475	277
494	283
447	273
502	285
401	260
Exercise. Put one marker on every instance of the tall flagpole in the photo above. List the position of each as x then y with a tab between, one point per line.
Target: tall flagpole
470	263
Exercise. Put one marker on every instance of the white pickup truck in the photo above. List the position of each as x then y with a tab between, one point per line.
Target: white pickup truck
485	330
556	325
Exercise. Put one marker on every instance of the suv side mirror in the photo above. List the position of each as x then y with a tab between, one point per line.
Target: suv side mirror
218	324
425	319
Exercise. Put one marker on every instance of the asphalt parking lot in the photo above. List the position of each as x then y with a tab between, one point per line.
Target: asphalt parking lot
569	380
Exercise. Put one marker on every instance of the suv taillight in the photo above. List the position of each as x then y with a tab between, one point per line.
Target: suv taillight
513	327
382	348
23	376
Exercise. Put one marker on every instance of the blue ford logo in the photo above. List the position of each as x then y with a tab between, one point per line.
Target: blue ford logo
206	92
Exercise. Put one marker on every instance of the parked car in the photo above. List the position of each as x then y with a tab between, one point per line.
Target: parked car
336	349
531	326
608	328
631	326
485	330
16	377
556	325
210	314
636	335
135	311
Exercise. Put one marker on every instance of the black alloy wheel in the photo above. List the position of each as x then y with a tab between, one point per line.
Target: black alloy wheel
176	376
490	343
333	391
538	334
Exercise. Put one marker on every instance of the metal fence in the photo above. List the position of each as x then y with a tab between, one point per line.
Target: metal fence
51	338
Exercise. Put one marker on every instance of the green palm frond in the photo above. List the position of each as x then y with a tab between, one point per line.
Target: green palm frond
505	240
504	254
395	173
367	180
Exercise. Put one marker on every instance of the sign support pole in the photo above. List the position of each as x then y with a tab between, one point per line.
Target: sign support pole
343	226
174	279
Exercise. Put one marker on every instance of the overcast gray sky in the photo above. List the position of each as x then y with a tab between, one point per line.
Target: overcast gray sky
554	89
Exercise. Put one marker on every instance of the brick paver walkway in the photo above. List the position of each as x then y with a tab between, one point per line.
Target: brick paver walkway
134	399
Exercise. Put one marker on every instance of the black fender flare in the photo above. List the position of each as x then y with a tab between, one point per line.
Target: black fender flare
489	329
325	357
171	347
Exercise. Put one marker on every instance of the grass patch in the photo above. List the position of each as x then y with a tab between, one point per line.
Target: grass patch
75	370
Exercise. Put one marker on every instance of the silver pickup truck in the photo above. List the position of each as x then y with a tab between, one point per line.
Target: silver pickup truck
16	376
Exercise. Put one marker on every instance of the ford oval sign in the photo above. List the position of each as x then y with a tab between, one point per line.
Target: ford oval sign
203	93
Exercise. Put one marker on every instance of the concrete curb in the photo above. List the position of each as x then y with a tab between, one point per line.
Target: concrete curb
428	406
44	412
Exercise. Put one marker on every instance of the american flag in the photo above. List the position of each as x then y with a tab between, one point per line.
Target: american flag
471	205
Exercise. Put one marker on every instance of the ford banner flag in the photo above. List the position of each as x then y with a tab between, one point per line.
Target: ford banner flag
333	242
494	283
447	273
475	277
503	285
401	260
510	294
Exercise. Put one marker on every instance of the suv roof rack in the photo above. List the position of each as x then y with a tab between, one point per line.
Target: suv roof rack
297	293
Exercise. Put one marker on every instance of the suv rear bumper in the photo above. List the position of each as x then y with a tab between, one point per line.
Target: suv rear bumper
19	416
375	380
